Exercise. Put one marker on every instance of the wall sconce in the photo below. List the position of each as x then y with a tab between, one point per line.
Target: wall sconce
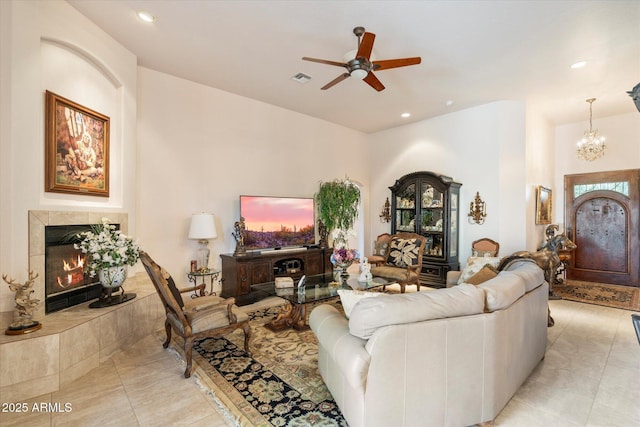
385	215
477	210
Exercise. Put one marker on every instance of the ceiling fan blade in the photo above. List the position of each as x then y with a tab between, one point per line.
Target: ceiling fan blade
366	45
395	63
374	82
335	81
324	61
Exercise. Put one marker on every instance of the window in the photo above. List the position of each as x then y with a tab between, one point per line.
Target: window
621	187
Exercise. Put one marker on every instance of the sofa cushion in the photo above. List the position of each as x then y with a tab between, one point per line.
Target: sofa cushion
395	273
403	252
532	275
349	298
475	264
502	291
373	313
487	272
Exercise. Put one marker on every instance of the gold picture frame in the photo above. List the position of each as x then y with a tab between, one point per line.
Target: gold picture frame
543	205
76	148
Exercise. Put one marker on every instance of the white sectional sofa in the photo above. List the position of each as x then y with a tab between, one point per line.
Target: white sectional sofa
448	357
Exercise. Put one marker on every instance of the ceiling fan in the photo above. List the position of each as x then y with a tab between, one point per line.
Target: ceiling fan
361	67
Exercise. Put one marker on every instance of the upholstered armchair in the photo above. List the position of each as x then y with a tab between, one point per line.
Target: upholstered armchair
485	247
194	318
403	260
380	247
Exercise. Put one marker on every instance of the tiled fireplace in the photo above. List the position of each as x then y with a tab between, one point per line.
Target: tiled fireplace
39	223
74	340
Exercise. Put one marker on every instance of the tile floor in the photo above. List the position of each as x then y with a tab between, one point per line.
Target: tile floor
589	377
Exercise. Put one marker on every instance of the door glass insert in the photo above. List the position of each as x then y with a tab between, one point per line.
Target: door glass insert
621	187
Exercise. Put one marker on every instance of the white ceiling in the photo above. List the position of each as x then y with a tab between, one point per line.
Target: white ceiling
473	53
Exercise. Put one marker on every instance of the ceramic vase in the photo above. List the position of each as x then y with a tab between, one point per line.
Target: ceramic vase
113	277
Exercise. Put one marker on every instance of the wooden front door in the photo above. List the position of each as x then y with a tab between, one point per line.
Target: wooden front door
601	217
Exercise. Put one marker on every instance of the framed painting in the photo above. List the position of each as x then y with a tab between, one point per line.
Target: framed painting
543	206
76	148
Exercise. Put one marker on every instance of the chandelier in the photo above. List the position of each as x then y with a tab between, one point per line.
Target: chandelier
591	146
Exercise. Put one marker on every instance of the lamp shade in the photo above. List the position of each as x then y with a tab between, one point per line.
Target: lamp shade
202	227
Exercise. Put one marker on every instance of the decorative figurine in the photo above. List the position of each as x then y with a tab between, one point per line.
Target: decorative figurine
25	306
365	269
323	233
239	231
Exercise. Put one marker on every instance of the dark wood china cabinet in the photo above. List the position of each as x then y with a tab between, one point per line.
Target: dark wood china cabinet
428	204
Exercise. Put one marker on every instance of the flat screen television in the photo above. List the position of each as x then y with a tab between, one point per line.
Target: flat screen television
277	222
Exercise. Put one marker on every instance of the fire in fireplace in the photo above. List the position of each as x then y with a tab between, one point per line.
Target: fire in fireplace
66	284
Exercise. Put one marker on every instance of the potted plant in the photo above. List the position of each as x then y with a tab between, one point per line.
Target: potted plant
109	252
337	203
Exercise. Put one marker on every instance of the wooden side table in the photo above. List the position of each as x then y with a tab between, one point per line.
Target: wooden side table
210	274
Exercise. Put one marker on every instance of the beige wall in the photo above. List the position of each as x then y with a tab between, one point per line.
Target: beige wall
201	148
78	61
483	148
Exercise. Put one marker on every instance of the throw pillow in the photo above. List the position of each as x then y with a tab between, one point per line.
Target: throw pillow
403	252
487	272
475	264
349	298
380	248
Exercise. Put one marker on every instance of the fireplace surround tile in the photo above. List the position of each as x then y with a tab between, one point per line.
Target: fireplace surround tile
29	359
61	342
79	343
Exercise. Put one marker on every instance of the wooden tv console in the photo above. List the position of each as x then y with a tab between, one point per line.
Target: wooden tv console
239	273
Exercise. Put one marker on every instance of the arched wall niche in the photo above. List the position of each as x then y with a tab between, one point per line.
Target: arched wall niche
76	74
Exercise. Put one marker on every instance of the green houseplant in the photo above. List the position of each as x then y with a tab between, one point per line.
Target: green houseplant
337	203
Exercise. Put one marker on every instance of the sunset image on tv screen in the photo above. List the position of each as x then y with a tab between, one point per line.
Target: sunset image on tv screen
277	221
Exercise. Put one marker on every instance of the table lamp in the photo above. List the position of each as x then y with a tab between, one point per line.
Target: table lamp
203	228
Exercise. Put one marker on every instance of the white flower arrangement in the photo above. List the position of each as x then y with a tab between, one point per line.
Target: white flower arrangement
107	247
341	237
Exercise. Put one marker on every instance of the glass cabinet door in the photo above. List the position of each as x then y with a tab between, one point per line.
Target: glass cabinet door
432	219
406	209
453	235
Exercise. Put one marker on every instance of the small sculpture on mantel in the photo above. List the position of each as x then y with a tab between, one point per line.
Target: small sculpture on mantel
25	306
239	233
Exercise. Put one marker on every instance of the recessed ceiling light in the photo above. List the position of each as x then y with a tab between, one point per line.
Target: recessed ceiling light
578	64
449	103
146	16
405	115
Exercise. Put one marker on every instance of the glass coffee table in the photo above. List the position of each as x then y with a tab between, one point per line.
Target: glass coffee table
317	289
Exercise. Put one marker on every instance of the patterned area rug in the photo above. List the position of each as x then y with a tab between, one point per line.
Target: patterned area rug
278	385
616	296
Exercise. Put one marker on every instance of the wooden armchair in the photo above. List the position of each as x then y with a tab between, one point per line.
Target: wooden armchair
207	316
403	261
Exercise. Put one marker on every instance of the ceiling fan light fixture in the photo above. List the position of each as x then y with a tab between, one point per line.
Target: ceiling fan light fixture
359	74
